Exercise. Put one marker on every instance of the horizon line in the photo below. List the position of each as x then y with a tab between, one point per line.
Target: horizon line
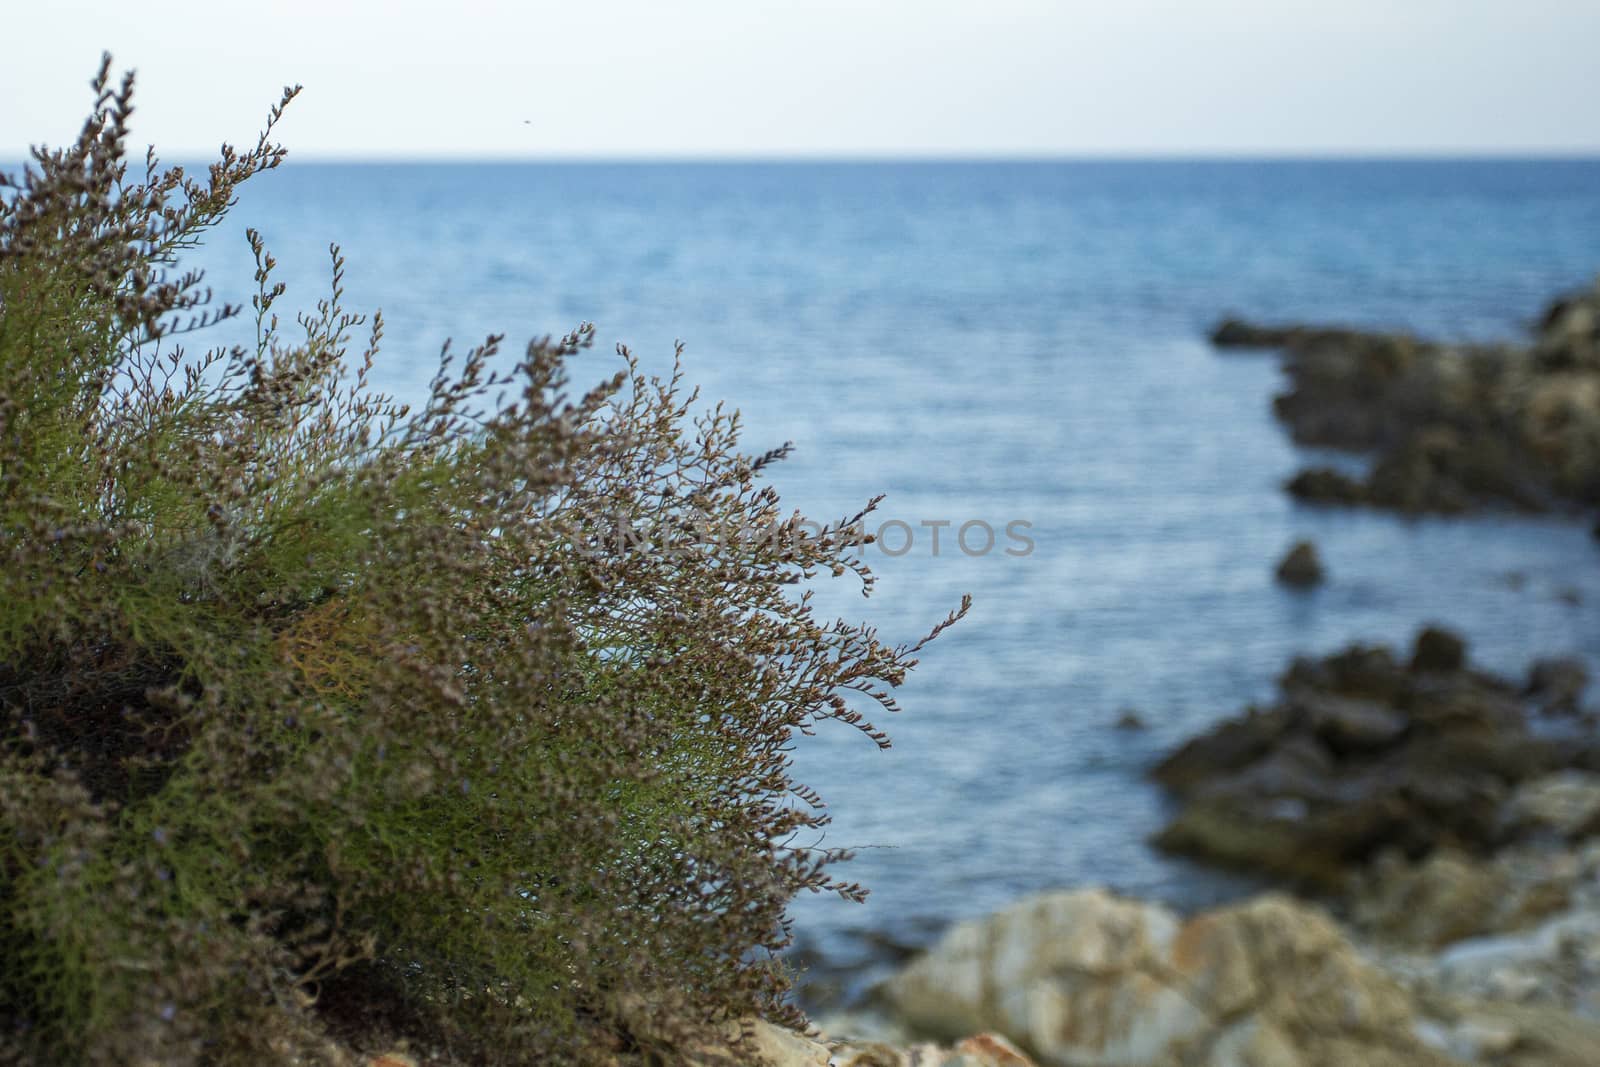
1462	155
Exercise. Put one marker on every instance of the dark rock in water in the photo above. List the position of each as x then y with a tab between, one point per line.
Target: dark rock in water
1437	649
1557	684
1324	485
1451	427
1348	726
1236	333
1569	332
1301	566
1128	719
1369	671
1233	745
1362	754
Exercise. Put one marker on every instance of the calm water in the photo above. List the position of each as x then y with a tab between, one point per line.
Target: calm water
1001	342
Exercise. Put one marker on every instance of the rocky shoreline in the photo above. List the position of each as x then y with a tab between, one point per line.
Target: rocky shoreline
1441	827
1449	427
1433	829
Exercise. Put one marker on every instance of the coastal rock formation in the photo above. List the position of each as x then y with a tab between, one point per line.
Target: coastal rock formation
1364	753
1450	427
1301	566
1087	979
1557	683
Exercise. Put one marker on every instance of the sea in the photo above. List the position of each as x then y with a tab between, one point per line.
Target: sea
1019	347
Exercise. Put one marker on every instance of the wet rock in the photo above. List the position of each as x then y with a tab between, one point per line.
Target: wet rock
1438	649
1231	746
1301	566
1557	684
1091	980
1324	485
1367	671
1449	427
1360	755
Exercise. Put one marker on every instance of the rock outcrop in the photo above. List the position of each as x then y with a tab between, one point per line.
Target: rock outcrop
1450	427
1301	566
1087	979
1365	753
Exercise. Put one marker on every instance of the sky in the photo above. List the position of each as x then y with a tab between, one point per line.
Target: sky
821	78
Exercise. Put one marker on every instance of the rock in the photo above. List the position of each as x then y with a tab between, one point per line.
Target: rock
1129	719
1552	964
1090	980
1565	805
1361	755
764	1043
1438	649
1324	485
1519	1035
776	1046
1366	671
1557	684
1236	333
1349	725
1451	896
1450	427
1230	746
981	1050
1277	838
1301	566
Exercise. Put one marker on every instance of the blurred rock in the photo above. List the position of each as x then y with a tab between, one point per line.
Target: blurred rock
1301	566
1557	684
1450	427
1087	979
1361	755
1438	649
1565	806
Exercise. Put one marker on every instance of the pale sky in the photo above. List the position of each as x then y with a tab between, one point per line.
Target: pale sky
879	78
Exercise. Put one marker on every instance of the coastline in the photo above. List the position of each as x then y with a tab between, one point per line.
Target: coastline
1433	824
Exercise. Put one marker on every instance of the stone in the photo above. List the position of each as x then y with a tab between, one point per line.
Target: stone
1231	746
1438	649
1565	805
1301	566
1086	979
1324	485
1556	684
1351	725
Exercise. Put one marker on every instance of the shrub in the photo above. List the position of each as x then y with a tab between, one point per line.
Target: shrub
324	718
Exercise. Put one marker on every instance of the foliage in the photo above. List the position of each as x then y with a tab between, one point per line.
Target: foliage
322	718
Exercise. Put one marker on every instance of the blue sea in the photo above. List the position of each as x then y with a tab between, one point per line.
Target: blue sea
1011	342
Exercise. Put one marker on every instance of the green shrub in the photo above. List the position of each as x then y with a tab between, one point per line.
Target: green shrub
328	720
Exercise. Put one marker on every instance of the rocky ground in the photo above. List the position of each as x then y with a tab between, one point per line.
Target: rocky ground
1450	427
